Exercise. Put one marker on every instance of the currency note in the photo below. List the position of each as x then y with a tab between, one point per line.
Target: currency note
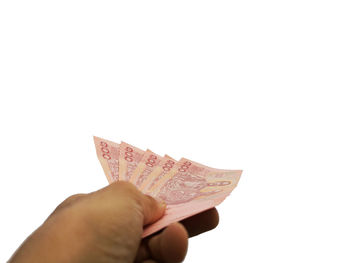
191	188
129	157
148	163
165	165
189	180
187	187
108	155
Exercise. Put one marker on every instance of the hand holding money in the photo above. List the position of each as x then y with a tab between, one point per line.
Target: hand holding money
147	193
187	187
106	226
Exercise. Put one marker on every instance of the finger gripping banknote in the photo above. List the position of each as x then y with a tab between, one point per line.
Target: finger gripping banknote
187	187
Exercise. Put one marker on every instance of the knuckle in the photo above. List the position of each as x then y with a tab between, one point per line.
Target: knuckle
71	198
128	192
125	188
67	202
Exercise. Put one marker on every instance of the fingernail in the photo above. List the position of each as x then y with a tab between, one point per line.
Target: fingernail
161	203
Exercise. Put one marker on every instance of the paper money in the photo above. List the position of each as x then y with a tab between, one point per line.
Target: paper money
108	154
189	180
187	187
129	157
146	166
165	165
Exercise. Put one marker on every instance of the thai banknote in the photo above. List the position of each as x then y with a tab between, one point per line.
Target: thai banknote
190	188
187	187
129	158
189	180
145	167
164	166
108	154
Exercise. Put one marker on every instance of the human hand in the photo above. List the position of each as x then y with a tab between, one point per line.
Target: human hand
106	226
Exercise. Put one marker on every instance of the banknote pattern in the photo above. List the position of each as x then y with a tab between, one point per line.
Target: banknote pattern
145	167
108	154
187	187
129	158
165	165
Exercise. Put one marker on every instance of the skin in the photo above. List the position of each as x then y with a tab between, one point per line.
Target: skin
106	227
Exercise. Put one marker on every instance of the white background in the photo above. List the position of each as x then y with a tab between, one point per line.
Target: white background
255	85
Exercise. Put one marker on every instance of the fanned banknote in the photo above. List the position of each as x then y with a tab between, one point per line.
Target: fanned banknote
108	154
164	166
187	187
129	158
145	167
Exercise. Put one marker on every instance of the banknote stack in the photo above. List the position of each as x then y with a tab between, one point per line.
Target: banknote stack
187	187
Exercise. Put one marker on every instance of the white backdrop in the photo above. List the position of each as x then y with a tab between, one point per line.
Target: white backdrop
253	85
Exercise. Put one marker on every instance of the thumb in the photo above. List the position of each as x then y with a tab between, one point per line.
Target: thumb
126	192
152	209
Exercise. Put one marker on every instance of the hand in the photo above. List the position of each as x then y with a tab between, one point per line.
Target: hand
106	226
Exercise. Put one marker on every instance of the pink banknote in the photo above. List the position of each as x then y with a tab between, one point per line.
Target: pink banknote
190	188
187	187
129	158
165	165
146	166
189	180
108	154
